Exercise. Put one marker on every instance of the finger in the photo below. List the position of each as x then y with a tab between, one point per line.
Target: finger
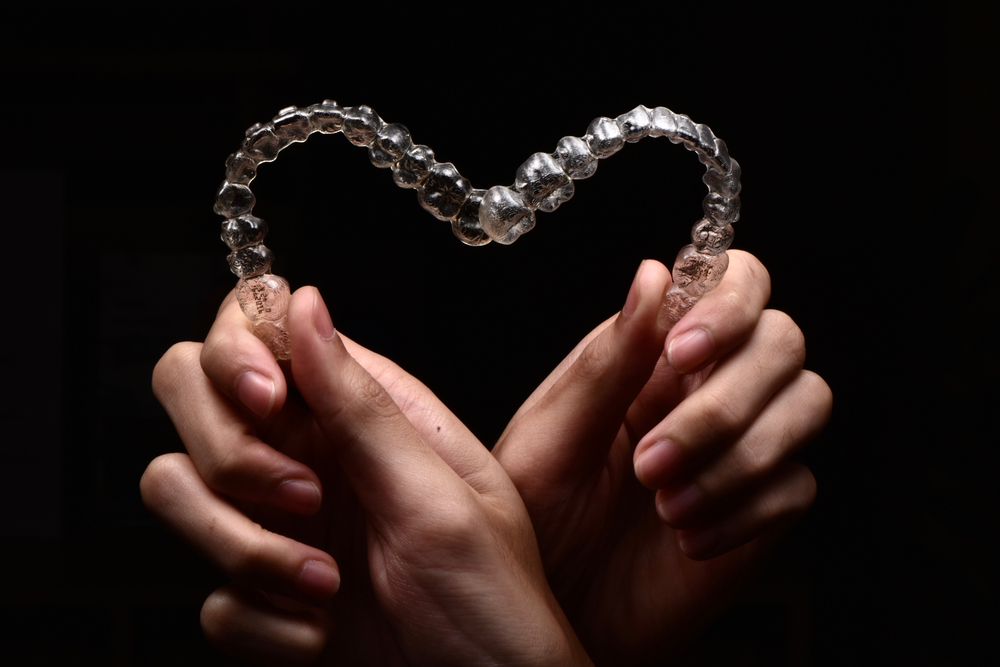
174	492
571	420
391	468
786	496
725	406
793	417
438	425
697	591
224	448
241	622
723	319
240	364
541	392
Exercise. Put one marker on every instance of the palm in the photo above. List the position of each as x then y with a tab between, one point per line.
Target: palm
616	568
340	527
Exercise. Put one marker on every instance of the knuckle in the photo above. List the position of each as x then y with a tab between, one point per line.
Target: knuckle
803	490
820	391
366	400
757	274
249	469
757	462
456	525
244	624
160	479
172	367
786	337
592	363
738	300
243	560
795	494
309	641
230	349
219	619
464	526
223	472
719	416
371	394
748	288
813	406
820	398
215	351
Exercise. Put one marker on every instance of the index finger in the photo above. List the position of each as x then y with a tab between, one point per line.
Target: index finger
240	365
723	318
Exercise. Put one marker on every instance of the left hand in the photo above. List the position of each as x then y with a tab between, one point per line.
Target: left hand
436	551
708	417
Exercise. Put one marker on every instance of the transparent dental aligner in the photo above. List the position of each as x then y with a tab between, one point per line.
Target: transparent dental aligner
543	183
696	273
466	225
504	214
501	213
444	191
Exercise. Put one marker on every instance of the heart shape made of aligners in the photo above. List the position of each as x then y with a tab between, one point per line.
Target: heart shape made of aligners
501	214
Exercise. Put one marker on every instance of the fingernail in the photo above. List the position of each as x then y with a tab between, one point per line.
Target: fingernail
318	579
321	319
690	350
632	300
256	392
298	494
661	461
701	543
675	507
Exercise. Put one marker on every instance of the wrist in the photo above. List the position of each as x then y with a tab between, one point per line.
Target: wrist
570	650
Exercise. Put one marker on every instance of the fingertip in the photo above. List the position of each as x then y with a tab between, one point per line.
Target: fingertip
657	464
632	300
297	495
723	319
321	359
256	392
676	506
321	320
702	543
690	351
309	316
246	623
646	291
319	579
755	271
240	365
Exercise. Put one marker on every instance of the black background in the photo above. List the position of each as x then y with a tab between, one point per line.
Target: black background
867	151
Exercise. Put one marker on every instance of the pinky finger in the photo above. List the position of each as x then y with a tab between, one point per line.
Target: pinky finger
783	499
241	622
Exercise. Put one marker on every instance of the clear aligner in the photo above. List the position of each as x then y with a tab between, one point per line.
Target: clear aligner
501	213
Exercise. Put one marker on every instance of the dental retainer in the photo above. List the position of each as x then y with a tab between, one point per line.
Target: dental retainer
501	213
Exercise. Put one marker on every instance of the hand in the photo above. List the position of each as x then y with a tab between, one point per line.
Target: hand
707	418
432	543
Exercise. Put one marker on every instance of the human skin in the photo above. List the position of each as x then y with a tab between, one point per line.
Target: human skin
657	468
638	555
423	544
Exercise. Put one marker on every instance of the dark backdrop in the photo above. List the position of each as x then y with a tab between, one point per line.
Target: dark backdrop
867	152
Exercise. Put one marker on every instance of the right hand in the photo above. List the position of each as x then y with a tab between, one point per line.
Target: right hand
432	542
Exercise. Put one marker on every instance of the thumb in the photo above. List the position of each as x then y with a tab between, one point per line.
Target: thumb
567	426
390	467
